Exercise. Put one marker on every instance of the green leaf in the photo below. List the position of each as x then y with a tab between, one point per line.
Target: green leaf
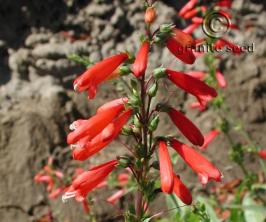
209	209
258	186
253	212
83	60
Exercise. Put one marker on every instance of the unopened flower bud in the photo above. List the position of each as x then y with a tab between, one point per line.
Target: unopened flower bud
124	161
127	130
136	121
154	123
166	28
153	90
124	70
159	73
134	101
150	15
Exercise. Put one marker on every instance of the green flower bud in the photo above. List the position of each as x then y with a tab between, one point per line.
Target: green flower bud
127	131
124	70
134	101
166	28
159	73
124	161
153	89
154	123
136	121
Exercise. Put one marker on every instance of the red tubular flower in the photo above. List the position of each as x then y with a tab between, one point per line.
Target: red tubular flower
233	47
199	164
188	129
197	20
123	179
220	79
191	13
191	28
197	88
208	138
89	180
96	74
140	64
185	54
93	126
182	191
85	206
54	194
187	7
197	105
262	154
87	149
183	38
224	3
197	74
117	103
116	196
166	169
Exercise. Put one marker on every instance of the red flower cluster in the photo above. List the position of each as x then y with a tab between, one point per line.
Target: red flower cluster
53	179
92	135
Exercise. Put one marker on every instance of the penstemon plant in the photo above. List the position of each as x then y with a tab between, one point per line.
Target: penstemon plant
136	118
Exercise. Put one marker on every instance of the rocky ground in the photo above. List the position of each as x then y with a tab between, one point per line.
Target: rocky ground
37	102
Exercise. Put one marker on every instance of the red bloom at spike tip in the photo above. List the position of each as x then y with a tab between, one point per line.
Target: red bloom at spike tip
262	154
187	7
166	169
89	180
116	196
208	138
197	88
150	15
86	149
199	164
96	74
220	79
93	126
181	191
140	64
188	129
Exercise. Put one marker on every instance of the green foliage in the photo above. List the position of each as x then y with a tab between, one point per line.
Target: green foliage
237	153
253	212
82	60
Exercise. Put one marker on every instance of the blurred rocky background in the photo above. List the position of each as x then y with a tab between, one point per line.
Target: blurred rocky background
37	102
